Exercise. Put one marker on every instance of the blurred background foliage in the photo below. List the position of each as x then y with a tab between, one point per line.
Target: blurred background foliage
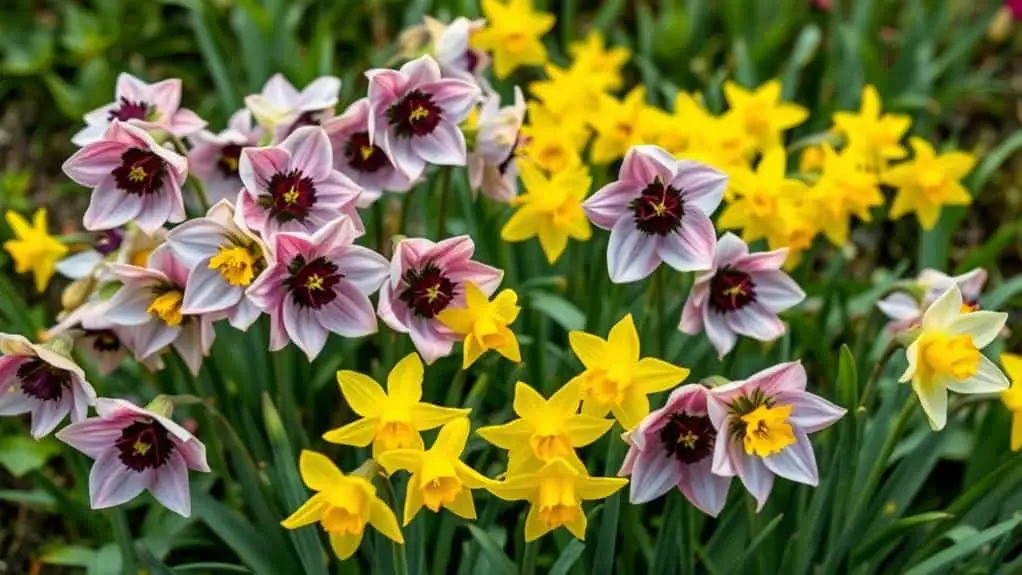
954	65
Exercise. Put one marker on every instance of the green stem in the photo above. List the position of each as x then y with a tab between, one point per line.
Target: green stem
122	533
381	233
406	204
200	190
397	550
870	389
529	561
444	186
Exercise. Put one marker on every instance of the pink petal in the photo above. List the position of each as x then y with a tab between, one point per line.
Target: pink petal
754	474
722	464
455	97
321	93
190	345
170	485
691	247
783	377
244	315
763	261
730	248
128	306
756	322
692	314
795	462
703	185
900	306
430	344
92	436
196	240
257	165
151	337
109	207
132	88
385	87
278	334
401	154
279	91
310	152
812	412
363	268
776	291
166	95
718	332
307	333
16	403
111	483
94	163
631	254
268	291
610	203
643	164
420	71
445	146
47	414
207	291
156	210
337	189
185	123
704	489
350	314
655	472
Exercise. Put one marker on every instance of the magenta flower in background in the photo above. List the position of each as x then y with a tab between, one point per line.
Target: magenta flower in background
658	210
491	163
149	303
741	294
905	310
136	450
364	162
673	447
281	109
763	425
42	381
425	279
293	187
133	179
319	284
215	158
414	115
151	107
224	258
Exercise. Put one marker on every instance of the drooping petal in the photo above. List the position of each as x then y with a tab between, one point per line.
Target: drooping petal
691	247
305	331
631	254
382	518
755	321
170	485
704	489
900	306
796	462
755	475
444	146
933	397
109	207
111	483
413	501
654	473
718	332
345	545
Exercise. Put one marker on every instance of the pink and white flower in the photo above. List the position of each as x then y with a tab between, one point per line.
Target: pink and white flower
359	159
136	450
491	164
151	107
741	294
763	425
425	279
319	284
453	49
906	309
215	158
133	179
414	115
293	187
149	303
658	210
224	258
281	109
42	381
102	342
673	447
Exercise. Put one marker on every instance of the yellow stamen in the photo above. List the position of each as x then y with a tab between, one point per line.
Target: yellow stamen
949	355
137	174
365	152
432	293
767	430
314	283
291	196
141	448
419	113
440	491
688	440
235	264
167	306
232	163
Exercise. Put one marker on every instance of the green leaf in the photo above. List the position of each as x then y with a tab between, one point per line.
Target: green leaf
497	558
896	530
847	380
238	533
152	565
806	46
941	562
562	311
572	551
69	556
609	12
213	56
20	454
209	567
996	298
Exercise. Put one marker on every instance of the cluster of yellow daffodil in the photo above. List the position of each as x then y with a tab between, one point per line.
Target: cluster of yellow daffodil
543	466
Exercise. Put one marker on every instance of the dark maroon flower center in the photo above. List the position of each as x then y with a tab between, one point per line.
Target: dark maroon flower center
471	60
105	341
731	289
228	161
291	196
429	290
312	283
108	241
362	155
658	209
312	118
144	443
128	110
43	381
689	438
141	172
414	115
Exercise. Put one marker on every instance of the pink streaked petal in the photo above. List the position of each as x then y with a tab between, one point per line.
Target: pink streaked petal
257	165
784	377
718	332
189	344
129	306
305	331
900	306
268	291
109	207
420	71
756	322
762	261
310	152
163	260
428	341
196	240
9	365
776	291
48	414
389	309
149	338
401	154
244	314
279	91
92	132
643	164
207	291
754	474
156	210
796	462
730	248
610	203
319	94
111	483
691	247
289	245
445	146
448	253
83	395
337	189
655	472
363	268
16	403
691	315
185	123
92	436
703	186
704	489
385	87
455	97
486	278
278	334
628	465
166	95
132	88
631	254
812	412
94	163
722	464
170	485
350	314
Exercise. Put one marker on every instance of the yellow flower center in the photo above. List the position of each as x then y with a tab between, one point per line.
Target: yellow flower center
553	158
365	152
137	174
418	113
550	446
291	196
396	435
141	448
948	355
167	306
440	491
605	388
314	282
236	264
557	502
767	430
763	204
342	522
624	130
757	119
432	293
515	42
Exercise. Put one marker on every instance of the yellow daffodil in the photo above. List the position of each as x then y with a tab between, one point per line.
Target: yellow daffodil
546	429
566	94
877	136
928	182
797	225
618	125
556	492
722	143
553	142
684	127
551	208
391	419
759	195
513	34
946	354
615	379
811	159
33	248
601	66
343	505
484	324
762	114
845	189
1013	397
439	477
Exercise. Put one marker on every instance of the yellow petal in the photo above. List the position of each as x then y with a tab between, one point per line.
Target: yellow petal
344	546
472	478
474	297
472	351
565	400
598	487
957	164
632	409
553	241
404	384
527	401
382	518
308	513
427	416
19	225
378	449
458	320
510	349
1012	364
362	393
534	526
452	437
624	341
585	429
532	177
577	526
358	433
523	225
507	436
463	506
1016	431
505	305
656	375
318	472
515	487
413	501
408	459
591	350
